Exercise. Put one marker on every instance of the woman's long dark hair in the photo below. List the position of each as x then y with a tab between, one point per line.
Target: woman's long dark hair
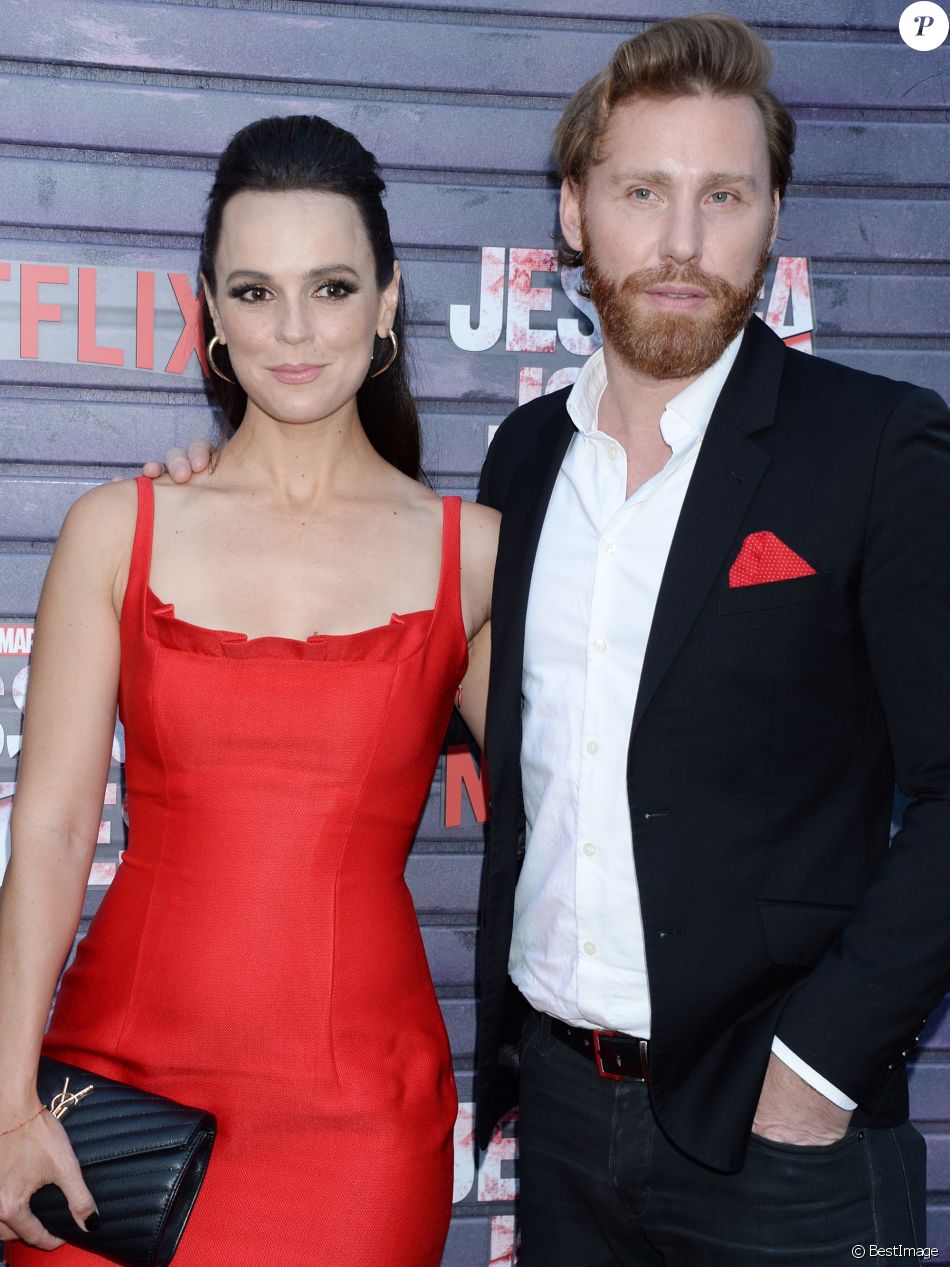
307	152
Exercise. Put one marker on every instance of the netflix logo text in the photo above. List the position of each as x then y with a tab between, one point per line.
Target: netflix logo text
120	317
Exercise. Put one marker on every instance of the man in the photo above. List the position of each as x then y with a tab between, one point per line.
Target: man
721	613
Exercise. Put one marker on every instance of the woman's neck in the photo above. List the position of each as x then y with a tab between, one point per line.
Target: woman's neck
301	462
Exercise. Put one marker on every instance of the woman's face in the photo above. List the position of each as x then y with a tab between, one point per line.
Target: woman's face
296	301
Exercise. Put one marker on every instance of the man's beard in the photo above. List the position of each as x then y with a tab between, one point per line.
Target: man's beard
671	345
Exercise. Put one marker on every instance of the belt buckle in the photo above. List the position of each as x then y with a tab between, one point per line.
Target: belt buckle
598	1055
643	1076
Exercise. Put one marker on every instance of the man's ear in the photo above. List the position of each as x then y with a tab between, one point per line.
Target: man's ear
776	212
571	215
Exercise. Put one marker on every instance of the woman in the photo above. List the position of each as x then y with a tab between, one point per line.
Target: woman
257	954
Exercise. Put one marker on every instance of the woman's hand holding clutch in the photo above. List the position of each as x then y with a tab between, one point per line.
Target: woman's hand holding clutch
34	1151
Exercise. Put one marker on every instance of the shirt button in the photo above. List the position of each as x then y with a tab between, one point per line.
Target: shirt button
589	848
611	547
589	948
593	747
600	644
613	453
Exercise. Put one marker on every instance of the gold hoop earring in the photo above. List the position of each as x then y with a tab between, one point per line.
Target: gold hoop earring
212	343
395	352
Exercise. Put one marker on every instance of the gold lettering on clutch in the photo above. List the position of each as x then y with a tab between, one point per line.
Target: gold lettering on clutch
65	1100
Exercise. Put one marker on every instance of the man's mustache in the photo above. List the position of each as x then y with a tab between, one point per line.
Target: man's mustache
646	279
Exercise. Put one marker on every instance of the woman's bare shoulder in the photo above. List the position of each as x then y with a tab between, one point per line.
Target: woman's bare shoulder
479	524
480	528
199	482
95	541
479	546
480	518
103	513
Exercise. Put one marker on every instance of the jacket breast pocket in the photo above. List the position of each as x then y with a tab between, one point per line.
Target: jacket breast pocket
798	933
773	594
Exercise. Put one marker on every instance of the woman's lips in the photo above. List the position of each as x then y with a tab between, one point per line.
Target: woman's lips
297	373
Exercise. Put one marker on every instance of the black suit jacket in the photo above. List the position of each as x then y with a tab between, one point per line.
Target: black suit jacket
769	725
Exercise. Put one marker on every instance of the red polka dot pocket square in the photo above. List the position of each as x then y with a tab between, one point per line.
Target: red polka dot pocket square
763	559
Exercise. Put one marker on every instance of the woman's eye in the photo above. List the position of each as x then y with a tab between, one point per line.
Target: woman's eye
249	294
335	290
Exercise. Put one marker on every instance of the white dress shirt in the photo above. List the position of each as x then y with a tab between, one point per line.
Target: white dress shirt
577	948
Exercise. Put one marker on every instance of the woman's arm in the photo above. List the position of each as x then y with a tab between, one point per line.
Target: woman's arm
67	742
474	689
479	547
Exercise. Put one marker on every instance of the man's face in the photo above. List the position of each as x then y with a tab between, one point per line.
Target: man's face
676	223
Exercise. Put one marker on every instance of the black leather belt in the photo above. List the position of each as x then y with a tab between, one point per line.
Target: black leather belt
620	1057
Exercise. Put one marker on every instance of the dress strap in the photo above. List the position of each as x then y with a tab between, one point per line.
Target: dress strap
450	574
140	565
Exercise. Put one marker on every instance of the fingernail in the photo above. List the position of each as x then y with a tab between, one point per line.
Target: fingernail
92	1223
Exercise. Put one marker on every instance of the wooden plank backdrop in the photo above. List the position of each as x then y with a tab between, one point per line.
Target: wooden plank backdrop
111	115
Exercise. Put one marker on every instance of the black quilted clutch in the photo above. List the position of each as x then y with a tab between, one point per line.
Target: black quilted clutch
143	1159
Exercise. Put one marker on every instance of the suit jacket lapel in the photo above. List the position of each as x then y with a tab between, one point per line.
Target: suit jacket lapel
727	473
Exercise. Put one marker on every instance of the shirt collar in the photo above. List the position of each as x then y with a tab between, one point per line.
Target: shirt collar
694	404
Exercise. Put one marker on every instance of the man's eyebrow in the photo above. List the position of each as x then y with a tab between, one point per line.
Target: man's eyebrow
642	178
314	273
731	178
666	178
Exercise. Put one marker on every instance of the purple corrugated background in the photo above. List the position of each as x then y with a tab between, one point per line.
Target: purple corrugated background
111	112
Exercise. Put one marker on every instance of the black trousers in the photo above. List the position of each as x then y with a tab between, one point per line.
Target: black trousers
600	1186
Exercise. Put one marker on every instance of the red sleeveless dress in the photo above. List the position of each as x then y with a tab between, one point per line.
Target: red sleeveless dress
258	953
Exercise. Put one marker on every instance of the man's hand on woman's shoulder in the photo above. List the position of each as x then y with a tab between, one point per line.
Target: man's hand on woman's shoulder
181	464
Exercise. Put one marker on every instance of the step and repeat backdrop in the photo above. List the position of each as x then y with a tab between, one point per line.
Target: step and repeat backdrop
111	115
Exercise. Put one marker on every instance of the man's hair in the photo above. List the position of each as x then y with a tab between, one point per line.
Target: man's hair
683	57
